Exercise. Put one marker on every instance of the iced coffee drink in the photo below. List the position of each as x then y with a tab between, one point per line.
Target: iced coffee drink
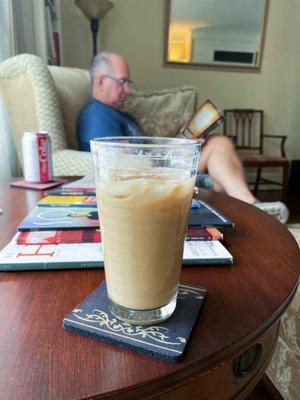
143	220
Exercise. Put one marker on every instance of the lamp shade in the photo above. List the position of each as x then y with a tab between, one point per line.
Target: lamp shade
94	9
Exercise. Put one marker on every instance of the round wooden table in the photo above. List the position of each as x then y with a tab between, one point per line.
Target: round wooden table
230	346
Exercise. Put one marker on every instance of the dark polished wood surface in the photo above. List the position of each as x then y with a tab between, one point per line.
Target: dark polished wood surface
41	360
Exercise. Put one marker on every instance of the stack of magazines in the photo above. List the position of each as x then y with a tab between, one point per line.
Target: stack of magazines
63	231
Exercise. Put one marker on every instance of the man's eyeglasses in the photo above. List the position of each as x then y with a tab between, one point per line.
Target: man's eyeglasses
122	82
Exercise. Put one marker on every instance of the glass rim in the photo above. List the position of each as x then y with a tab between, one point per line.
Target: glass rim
149	141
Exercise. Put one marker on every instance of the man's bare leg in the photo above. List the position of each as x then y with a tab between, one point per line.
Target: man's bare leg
218	156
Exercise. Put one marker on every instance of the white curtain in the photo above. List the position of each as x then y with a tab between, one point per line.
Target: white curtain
22	30
8	155
8	159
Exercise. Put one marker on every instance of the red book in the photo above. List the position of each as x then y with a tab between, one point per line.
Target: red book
206	233
94	236
63	236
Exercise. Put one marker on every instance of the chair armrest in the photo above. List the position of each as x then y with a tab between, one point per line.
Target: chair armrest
276	136
282	143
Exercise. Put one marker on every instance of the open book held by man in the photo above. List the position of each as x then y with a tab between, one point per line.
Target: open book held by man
203	121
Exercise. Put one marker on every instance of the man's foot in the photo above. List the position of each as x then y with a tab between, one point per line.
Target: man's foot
275	208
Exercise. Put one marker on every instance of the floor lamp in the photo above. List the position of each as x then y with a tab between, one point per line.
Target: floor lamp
94	10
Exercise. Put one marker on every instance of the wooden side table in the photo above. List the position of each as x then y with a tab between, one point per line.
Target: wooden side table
229	349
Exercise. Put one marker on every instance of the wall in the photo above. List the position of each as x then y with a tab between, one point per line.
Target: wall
76	37
135	28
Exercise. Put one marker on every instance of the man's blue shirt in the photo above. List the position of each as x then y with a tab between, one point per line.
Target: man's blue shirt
99	120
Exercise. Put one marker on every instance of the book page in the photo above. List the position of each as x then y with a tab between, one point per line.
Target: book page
205	117
203	120
205	250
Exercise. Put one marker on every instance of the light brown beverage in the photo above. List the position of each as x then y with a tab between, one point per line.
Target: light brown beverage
143	220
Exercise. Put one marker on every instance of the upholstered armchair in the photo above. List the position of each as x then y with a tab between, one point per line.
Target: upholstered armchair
49	98
35	100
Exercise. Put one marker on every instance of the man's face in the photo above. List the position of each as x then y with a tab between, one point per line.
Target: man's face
115	85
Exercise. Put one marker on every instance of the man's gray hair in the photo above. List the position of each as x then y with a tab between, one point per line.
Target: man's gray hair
100	64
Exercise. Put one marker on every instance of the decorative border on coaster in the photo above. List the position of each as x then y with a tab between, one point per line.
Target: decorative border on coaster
165	340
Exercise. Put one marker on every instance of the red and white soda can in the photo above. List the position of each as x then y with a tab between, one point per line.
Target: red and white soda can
37	157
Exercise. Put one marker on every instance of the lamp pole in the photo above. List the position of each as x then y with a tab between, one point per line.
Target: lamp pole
94	11
94	29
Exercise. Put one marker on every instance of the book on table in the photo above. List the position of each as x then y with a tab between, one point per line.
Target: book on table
14	257
56	217
204	233
59	236
94	235
68	201
207	215
82	186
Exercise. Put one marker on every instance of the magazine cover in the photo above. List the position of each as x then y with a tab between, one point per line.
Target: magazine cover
68	201
207	215
62	236
82	186
51	218
14	257
57	218
94	236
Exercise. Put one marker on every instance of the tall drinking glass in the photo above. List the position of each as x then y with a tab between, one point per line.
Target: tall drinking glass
144	187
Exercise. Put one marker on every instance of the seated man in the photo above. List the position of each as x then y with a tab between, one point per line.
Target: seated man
102	116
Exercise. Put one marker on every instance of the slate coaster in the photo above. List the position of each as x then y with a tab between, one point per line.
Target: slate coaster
166	340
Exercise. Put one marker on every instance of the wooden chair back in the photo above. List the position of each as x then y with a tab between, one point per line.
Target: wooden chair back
245	127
